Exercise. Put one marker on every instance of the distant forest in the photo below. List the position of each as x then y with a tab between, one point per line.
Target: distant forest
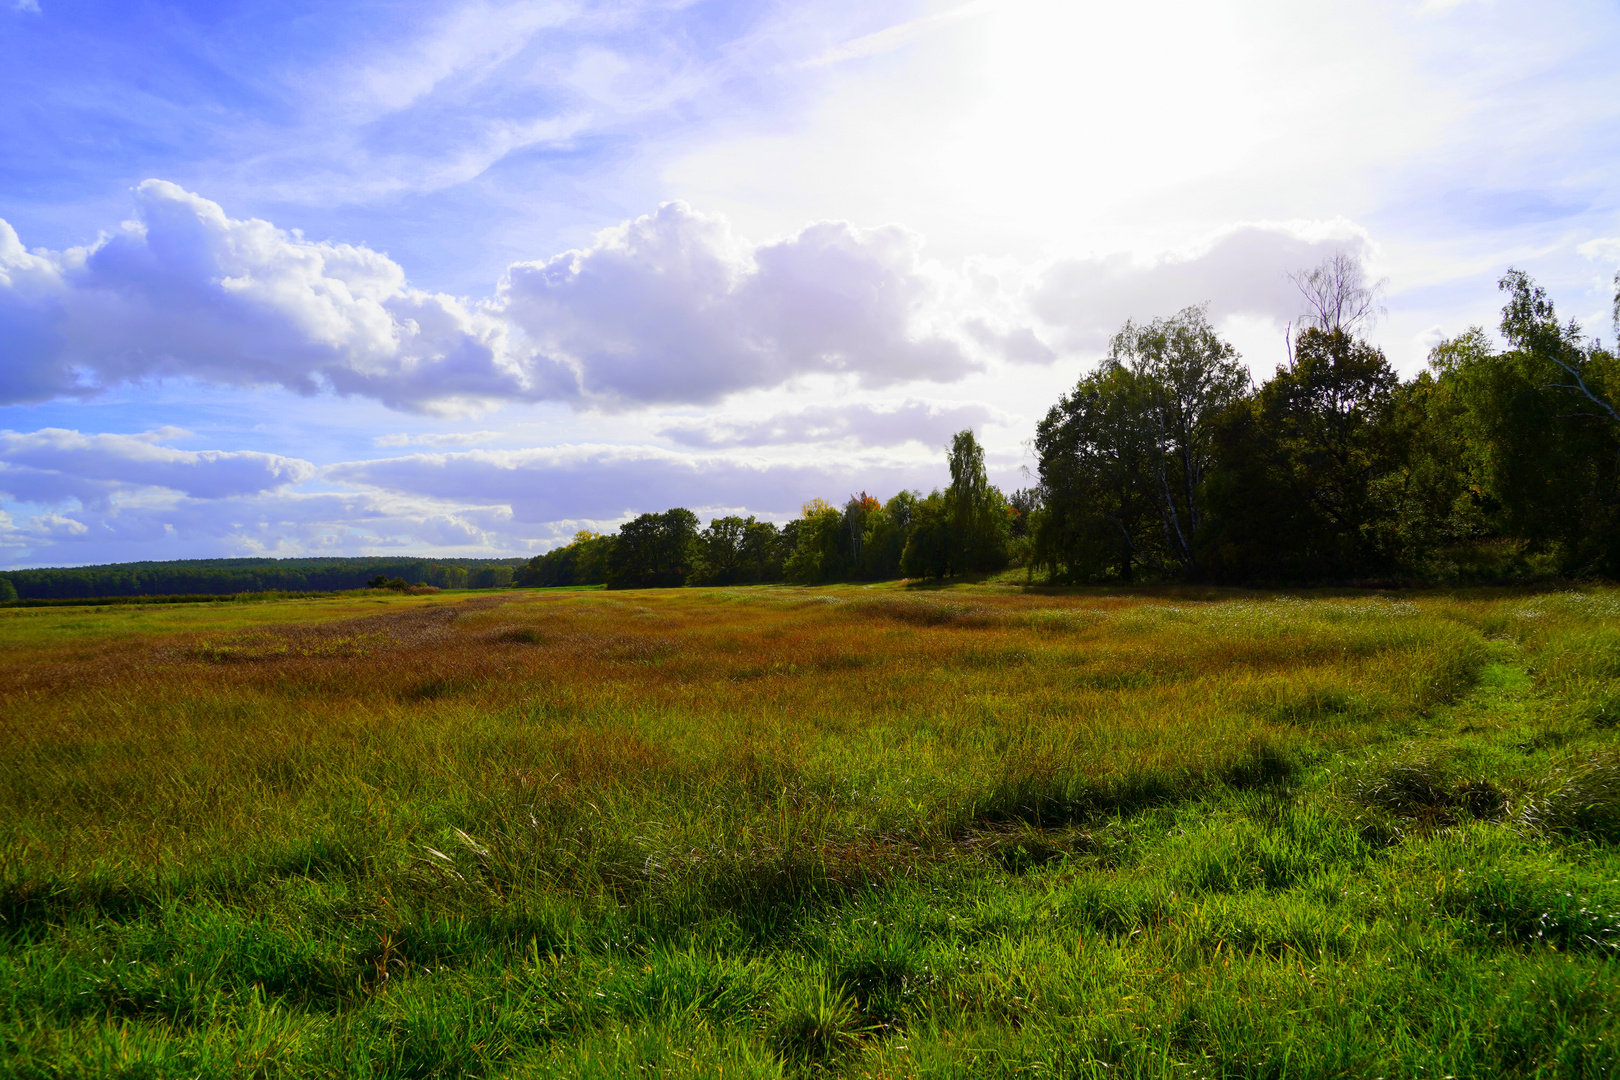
220	577
1166	463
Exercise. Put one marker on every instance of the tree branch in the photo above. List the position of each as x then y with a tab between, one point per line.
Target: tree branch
1581	388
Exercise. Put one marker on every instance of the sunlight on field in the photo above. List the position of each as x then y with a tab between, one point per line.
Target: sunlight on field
883	831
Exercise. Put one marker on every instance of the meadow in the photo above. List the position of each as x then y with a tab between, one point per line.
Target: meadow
979	830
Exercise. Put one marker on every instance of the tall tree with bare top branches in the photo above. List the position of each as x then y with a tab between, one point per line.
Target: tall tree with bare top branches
1338	295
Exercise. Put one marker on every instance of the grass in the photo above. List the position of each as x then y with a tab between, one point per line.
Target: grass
969	831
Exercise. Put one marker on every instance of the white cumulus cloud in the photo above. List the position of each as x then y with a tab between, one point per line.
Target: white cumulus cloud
186	291
668	308
674	308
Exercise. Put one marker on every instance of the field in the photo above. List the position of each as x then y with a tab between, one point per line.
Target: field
977	831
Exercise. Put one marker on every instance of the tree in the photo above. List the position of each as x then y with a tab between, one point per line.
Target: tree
887	530
1614	310
902	508
978	513
737	550
762	551
1095	469
1309	467
1024	503
822	545
720	548
654	551
1531	324
491	577
8	592
859	514
928	547
1533	432
583	561
1338	295
1186	377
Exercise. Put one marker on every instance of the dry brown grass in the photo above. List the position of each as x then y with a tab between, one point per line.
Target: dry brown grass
807	717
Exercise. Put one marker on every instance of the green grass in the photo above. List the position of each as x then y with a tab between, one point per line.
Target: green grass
968	831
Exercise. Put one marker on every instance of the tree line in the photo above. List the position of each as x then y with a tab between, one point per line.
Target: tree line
1168	463
223	577
968	527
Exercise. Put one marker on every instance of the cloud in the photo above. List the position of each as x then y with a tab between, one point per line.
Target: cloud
469	42
187	291
1017	344
462	438
668	308
674	308
29	6
926	422
465	503
54	465
1242	271
605	483
126	497
284	523
428	100
34	361
1601	249
897	36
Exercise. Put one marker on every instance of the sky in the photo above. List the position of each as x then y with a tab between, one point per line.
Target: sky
460	279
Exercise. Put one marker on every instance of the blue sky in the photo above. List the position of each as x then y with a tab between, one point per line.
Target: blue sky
463	278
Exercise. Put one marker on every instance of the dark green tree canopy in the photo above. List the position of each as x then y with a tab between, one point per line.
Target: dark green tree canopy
1165	462
1186	377
1310	467
654	551
980	525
